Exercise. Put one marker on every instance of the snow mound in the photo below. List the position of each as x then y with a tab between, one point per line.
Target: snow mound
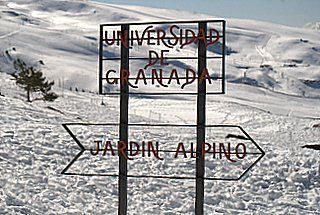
314	26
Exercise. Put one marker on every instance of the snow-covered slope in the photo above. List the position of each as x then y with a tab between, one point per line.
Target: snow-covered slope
63	34
35	148
277	103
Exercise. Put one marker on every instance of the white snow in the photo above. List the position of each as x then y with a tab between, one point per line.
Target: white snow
313	25
273	104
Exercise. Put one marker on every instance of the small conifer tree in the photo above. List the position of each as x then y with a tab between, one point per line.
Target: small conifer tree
32	81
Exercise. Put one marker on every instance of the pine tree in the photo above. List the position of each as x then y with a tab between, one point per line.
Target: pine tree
32	81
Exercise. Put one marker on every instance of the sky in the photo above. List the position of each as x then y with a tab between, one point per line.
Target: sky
288	12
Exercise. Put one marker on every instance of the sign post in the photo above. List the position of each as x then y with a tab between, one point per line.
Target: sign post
201	122
123	136
173	36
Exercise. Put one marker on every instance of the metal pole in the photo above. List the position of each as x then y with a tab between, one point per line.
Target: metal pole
123	136
223	57
201	119
100	58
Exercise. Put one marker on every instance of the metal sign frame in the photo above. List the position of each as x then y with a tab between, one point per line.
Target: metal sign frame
83	149
201	106
125	55
124	100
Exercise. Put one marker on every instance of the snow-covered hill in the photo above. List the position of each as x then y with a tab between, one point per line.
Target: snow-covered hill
63	34
277	103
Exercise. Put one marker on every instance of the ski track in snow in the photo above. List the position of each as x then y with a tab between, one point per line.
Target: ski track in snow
262	50
139	12
9	34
